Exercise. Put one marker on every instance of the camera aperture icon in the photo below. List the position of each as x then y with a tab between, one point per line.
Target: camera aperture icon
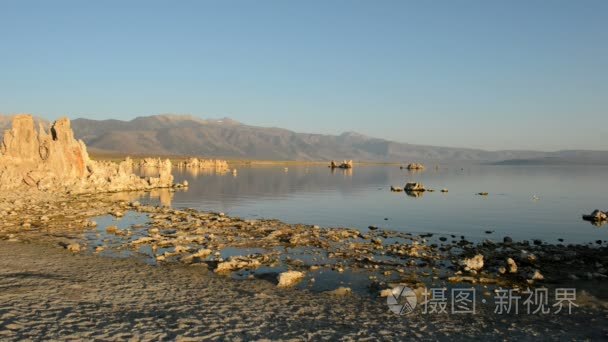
402	300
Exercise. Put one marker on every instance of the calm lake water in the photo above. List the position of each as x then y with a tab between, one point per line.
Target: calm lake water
524	202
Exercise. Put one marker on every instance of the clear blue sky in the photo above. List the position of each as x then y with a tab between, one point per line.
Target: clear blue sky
489	74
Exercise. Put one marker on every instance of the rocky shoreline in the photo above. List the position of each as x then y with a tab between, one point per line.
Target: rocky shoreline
382	258
284	267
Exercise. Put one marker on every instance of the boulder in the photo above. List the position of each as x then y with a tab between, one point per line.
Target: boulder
535	275
527	257
289	278
74	247
415	166
473	264
511	265
413	187
596	216
237	263
201	254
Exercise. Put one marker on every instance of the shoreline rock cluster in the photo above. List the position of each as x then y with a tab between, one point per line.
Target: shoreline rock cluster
53	160
344	165
204	164
412	188
414	166
270	248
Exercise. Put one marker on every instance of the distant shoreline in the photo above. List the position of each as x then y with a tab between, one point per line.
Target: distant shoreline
112	156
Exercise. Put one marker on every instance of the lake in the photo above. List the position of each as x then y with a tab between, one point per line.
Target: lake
524	202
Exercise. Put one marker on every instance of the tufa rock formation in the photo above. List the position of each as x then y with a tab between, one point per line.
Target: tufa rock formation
204	164
415	166
414	187
55	160
345	164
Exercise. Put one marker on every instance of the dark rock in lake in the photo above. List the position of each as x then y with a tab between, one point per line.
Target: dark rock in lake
596	216
414	187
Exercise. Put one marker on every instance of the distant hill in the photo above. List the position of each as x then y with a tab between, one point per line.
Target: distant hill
574	157
226	138
185	135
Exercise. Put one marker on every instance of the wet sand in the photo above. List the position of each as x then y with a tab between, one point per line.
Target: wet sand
47	293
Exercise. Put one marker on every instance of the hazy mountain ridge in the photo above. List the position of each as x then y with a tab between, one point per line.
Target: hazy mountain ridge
226	138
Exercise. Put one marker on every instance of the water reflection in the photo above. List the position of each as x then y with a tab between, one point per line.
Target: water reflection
147	171
274	182
523	202
127	196
415	194
196	172
345	172
164	196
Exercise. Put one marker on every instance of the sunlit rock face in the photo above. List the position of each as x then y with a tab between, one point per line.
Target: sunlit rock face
54	160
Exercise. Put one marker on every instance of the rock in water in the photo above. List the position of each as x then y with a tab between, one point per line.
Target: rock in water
344	165
237	263
596	216
290	278
473	264
415	166
204	164
413	187
512	265
536	275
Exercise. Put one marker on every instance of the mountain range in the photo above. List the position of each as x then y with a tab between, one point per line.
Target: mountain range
184	135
